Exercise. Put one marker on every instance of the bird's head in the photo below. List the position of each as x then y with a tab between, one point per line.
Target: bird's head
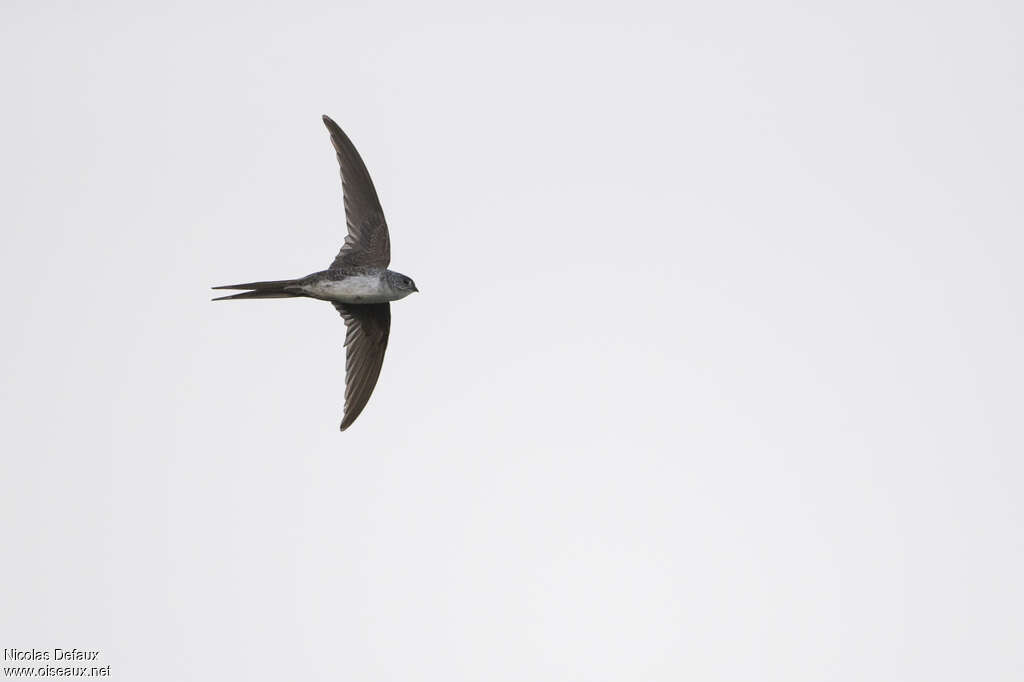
401	284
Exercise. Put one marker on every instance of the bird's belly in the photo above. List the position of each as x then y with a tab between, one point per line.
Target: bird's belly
356	289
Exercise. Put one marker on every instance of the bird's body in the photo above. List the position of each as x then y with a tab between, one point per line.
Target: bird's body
358	283
351	285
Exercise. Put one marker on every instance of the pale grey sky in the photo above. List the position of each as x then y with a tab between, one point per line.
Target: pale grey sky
715	373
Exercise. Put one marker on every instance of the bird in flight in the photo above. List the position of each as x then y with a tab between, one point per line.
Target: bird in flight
358	282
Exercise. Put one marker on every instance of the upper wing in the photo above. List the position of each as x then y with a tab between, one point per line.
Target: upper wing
365	342
367	242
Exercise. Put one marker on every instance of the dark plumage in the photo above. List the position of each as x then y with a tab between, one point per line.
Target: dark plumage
358	282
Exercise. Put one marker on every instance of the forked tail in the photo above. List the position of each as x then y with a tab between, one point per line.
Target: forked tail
261	290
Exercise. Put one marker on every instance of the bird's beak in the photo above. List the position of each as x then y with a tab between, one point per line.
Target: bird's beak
415	289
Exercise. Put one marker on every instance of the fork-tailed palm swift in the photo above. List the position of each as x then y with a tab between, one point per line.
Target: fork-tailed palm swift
358	282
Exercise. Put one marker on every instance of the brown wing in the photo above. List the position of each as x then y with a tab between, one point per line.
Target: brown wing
365	342
367	242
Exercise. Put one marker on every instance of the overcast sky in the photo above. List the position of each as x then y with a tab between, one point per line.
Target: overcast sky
716	371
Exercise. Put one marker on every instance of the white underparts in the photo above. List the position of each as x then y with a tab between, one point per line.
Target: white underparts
354	289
